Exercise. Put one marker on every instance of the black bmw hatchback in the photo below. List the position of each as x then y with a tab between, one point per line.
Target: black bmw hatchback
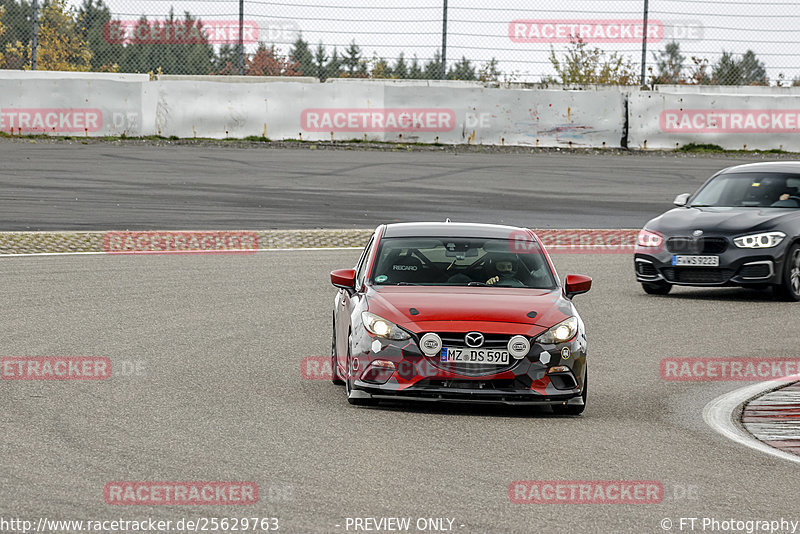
741	228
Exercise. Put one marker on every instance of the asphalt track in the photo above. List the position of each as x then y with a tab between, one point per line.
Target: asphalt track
221	397
104	186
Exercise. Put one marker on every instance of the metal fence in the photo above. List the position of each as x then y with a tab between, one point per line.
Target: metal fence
587	41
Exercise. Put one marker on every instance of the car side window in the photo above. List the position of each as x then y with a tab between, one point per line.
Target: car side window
362	263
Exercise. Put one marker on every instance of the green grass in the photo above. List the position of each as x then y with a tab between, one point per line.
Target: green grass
707	148
700	148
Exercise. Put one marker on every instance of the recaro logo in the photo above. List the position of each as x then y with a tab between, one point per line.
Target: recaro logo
404	267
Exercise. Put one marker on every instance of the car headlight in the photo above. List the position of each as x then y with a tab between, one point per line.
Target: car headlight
563	331
649	239
765	240
380	327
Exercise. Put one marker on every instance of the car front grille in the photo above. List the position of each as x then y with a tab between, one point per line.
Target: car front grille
697	275
704	245
491	341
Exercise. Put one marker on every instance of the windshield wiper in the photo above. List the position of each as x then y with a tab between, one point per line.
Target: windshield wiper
482	284
700	206
406	284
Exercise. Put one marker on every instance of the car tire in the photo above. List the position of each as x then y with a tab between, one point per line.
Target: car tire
334	364
789	288
572	409
355	401
656	288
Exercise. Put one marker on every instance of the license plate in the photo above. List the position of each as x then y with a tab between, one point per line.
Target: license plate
696	261
476	356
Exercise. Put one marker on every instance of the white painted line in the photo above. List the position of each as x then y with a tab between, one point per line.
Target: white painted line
177	253
718	414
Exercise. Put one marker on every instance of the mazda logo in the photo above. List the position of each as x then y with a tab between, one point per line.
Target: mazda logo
474	339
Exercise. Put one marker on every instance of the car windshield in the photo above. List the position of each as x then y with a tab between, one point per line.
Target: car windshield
750	189
460	262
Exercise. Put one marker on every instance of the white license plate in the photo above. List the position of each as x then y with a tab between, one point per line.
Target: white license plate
696	261
476	356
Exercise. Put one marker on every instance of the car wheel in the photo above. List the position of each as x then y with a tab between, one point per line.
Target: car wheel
789	289
334	364
656	288
355	401
572	409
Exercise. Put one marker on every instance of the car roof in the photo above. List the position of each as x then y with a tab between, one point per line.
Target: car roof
791	167
450	229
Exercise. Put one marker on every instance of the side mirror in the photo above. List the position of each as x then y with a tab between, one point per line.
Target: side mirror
577	284
344	279
681	199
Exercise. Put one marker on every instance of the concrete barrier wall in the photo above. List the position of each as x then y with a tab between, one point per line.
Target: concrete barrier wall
659	120
102	104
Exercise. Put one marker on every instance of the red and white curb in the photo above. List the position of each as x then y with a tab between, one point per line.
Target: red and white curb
722	414
774	418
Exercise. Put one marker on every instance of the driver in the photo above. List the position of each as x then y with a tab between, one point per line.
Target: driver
506	266
792	195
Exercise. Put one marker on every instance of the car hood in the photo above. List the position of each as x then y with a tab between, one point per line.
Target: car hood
426	308
683	221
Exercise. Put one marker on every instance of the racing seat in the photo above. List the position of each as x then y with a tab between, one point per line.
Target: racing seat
406	268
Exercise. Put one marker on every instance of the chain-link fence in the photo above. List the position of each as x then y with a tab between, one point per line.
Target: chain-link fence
588	41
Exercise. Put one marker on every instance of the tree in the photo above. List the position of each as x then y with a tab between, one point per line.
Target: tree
489	71
320	63
726	70
462	70
226	60
753	71
400	69
173	52
267	62
303	56
582	65
670	64
433	68
18	27
352	58
698	72
61	42
746	71
334	67
93	16
415	72
380	68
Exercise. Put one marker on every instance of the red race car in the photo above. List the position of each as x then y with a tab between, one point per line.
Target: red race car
458	312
